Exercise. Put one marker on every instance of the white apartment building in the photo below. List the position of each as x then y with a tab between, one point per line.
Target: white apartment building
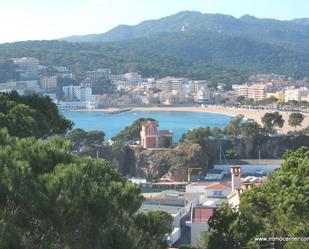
72	92
296	94
61	69
48	82
86	94
99	74
168	84
28	68
196	85
256	91
128	79
202	96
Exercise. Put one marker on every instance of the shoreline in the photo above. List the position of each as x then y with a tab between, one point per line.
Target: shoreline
229	111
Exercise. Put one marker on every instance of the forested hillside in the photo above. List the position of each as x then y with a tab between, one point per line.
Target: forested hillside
292	34
210	56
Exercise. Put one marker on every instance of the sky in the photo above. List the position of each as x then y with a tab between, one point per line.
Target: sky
52	19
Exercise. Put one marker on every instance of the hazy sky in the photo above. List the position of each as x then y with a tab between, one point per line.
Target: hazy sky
49	19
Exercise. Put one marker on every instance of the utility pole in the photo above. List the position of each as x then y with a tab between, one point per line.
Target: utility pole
220	153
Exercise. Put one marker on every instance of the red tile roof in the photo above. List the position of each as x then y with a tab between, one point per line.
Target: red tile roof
219	185
200	183
202	214
166	132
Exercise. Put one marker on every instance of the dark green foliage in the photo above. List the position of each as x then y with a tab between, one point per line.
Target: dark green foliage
233	128
81	139
31	115
7	71
154	225
271	120
222	228
199	136
52	199
295	119
130	133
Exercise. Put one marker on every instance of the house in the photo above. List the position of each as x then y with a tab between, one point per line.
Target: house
218	189
177	204
210	189
151	137
240	185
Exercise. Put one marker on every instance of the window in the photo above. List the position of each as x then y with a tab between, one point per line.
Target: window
218	193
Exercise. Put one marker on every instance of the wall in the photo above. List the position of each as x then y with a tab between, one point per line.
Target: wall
248	169
210	192
197	232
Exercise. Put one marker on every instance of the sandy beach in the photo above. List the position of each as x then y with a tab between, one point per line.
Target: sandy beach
248	113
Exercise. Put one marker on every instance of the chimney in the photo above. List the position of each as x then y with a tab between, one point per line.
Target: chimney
236	174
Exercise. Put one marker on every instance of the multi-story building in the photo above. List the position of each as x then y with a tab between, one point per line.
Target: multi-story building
28	68
86	94
48	82
202	96
171	83
133	78
78	93
256	92
99	74
72	92
61	69
196	85
295	94
128	79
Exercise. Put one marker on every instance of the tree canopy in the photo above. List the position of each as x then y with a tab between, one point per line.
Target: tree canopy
271	120
32	115
131	133
50	198
295	119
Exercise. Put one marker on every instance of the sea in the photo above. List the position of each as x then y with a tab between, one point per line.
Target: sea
177	121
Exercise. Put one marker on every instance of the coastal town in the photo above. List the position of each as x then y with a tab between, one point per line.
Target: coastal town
103	89
154	124
193	201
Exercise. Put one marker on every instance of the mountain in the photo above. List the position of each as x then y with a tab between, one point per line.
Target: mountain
292	34
304	21
216	47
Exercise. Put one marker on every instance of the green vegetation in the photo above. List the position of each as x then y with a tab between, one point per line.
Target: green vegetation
7	71
267	101
271	120
53	199
80	138
279	208
131	133
295	119
32	115
237	127
216	57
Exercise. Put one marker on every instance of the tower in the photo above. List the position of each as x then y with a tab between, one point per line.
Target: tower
236	174
149	134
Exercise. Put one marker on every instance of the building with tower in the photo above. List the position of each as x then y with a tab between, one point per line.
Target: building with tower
236	174
151	137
